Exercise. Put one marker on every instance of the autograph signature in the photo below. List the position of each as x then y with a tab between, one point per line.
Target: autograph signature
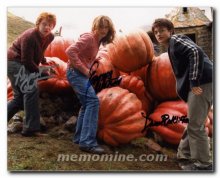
166	119
29	81
104	80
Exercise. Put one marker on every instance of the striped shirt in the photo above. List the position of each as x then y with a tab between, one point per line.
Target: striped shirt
190	64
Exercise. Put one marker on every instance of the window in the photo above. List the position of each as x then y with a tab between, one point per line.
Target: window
192	36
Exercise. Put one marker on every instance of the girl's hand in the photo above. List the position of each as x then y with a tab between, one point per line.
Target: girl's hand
87	73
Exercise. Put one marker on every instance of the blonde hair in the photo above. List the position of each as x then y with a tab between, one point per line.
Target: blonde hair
98	23
51	18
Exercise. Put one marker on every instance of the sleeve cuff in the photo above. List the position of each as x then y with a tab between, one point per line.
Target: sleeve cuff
43	60
194	83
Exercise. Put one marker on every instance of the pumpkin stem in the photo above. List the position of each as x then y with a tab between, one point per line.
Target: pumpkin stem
58	33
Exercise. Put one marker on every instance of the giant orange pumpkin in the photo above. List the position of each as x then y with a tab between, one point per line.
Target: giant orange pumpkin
171	133
58	83
131	51
135	85
160	80
58	47
120	118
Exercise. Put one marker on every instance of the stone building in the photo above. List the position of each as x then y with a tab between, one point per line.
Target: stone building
192	21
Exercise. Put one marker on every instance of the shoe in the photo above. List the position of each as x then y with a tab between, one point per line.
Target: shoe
76	141
194	167
184	164
209	167
94	150
189	167
32	134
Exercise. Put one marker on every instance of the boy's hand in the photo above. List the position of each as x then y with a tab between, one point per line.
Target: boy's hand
44	75
44	62
197	90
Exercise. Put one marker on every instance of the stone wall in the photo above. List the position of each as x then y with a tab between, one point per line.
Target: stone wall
203	35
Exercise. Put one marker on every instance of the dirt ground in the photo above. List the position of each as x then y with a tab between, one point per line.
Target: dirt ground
41	154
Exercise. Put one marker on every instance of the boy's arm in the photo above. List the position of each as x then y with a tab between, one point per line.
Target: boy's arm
187	48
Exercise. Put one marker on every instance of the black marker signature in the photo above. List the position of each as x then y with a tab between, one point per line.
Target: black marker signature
166	120
104	80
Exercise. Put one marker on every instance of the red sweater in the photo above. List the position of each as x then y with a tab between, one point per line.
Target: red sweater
29	49
83	53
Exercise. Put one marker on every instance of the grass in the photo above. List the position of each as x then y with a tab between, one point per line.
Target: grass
16	25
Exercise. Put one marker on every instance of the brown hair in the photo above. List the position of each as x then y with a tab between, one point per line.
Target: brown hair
98	23
162	22
51	18
152	37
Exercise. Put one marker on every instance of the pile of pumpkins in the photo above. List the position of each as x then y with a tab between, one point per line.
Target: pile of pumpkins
147	89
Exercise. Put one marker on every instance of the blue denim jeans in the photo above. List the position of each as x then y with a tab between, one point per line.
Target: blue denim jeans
27	101
86	127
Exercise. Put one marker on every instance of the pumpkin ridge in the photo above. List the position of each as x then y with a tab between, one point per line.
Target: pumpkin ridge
133	53
167	134
129	120
127	50
112	135
110	139
106	101
124	112
138	126
148	45
145	51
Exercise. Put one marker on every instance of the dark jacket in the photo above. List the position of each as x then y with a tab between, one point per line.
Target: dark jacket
29	49
190	64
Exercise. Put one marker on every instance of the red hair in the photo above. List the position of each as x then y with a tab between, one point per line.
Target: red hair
51	18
